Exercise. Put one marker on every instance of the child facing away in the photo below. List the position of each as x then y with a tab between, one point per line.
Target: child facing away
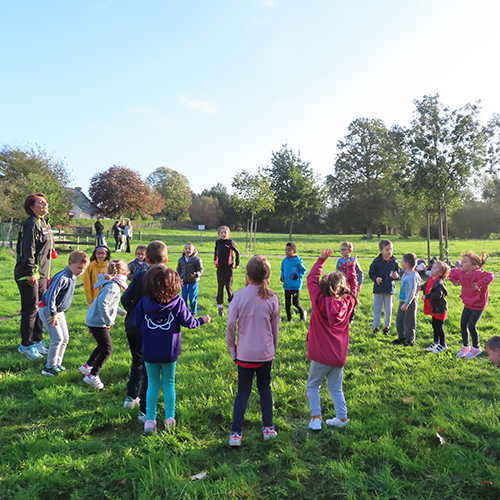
346	250
51	309
137	385
161	313
292	275
101	317
475	283
406	319
139	264
332	300
190	269
223	260
492	347
255	313
98	263
435	304
383	271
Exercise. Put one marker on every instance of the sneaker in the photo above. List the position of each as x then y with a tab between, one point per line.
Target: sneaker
269	433
474	351
386	330
440	348
85	369
376	329
60	368
41	347
465	349
304	318
150	426
141	417
221	312
93	381
315	424
130	403
235	439
170	423
432	347
31	352
336	422
409	344
398	341
50	371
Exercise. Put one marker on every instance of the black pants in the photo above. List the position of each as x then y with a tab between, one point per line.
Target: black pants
437	326
468	322
103	350
31	324
224	279
138	374
295	296
118	241
128	245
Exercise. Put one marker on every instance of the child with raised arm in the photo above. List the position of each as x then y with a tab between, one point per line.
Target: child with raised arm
255	314
190	269
101	317
292	274
383	271
435	304
161	313
223	260
98	263
346	250
406	319
475	283
139	264
137	385
333	300
51	309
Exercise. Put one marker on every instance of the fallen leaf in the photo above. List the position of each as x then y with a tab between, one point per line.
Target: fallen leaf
407	419
233	374
486	483
200	475
441	440
430	476
122	481
440	430
408	400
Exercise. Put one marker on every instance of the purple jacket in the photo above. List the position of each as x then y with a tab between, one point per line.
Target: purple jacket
161	328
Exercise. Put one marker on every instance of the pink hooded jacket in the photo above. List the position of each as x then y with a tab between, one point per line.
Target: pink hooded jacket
471	297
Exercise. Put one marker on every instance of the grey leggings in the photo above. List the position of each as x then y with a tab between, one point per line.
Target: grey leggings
470	318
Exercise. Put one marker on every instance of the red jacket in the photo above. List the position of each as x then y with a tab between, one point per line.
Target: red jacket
471	297
328	335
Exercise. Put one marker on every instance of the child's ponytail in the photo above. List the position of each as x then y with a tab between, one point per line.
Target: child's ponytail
259	271
116	267
475	259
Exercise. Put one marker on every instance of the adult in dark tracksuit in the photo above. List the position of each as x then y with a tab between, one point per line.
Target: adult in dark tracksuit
99	230
33	268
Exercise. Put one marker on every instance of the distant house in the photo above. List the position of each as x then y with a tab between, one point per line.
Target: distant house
82	207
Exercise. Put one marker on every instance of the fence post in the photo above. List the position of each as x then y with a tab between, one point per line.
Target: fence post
78	242
140	235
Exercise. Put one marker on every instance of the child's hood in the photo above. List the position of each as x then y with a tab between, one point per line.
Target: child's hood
101	280
153	308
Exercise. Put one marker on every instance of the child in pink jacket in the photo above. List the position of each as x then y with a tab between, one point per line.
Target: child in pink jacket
333	300
474	295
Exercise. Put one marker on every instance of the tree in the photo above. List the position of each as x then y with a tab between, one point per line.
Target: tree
228	215
362	182
32	170
205	210
120	191
174	188
297	190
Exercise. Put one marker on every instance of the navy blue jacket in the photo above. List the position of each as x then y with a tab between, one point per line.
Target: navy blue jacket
381	268
130	298
60	293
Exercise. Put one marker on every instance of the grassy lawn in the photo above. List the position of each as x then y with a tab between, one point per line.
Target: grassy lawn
63	440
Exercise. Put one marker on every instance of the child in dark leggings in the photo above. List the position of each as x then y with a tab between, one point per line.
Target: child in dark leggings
474	295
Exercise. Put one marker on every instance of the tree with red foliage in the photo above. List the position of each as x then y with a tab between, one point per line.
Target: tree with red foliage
120	191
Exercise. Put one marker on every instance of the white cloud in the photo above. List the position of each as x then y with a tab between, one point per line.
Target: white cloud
203	106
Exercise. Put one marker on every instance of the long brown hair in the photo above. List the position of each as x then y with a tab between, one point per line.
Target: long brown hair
259	271
475	259
335	285
161	284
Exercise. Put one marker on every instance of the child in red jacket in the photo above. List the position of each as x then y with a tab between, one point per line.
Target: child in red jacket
332	300
474	295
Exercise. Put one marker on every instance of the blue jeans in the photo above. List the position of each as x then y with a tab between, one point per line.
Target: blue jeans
164	374
245	379
191	290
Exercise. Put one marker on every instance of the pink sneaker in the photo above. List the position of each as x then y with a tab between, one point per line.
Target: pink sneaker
170	423
475	351
269	432
465	349
149	426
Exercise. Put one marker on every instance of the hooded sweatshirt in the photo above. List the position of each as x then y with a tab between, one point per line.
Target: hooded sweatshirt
293	272
102	312
410	285
186	266
471	297
161	328
90	276
328	335
59	295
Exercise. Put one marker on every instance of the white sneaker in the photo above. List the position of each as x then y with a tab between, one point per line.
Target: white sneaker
440	348
85	369
41	347
336	422
432	347
474	351
131	403
93	381
141	417
315	424
235	439
170	423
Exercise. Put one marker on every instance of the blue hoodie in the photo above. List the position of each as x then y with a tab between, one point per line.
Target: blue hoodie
293	272
60	293
161	328
102	312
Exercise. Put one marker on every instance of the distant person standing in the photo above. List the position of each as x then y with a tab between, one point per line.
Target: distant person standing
99	229
117	234
128	233
33	269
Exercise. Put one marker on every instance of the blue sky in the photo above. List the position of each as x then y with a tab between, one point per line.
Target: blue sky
208	88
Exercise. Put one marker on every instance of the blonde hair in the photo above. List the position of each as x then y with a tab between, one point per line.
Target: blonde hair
259	271
116	267
335	285
78	256
445	269
226	228
475	259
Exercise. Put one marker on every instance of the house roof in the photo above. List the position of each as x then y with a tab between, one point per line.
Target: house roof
81	201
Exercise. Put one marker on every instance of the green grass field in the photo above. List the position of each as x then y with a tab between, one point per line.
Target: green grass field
60	439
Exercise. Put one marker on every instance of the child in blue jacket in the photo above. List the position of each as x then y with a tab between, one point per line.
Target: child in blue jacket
292	274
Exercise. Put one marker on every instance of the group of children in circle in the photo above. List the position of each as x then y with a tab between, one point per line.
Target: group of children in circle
155	314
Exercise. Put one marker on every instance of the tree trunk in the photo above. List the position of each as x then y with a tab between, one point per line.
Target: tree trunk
369	233
290	231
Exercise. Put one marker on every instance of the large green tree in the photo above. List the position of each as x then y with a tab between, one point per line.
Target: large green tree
32	170
174	188
228	215
298	192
